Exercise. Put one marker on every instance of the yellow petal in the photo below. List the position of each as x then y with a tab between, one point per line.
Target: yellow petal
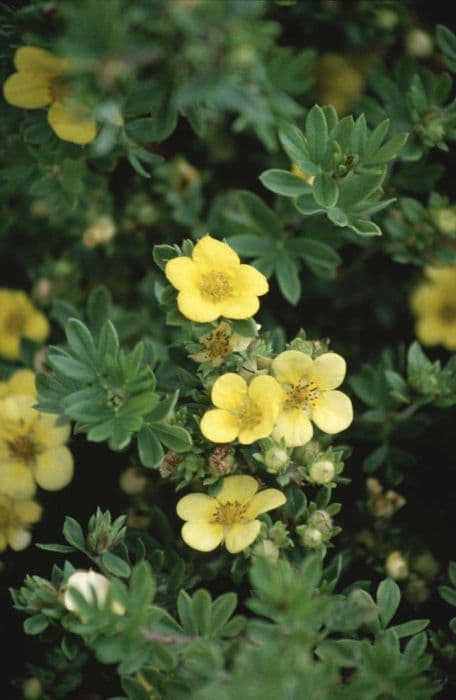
196	506
267	393
18	539
332	412
27	90
54	468
328	371
425	299
429	330
9	346
293	426
261	430
237	488
449	337
219	425
72	123
48	433
192	305
264	501
202	536
16	480
242	535
36	327
28	511
291	366
243	305
229	391
213	254
181	272
32	58
3	541
17	416
251	280
22	382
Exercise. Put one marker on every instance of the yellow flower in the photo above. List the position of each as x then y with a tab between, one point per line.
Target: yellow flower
220	343
296	170
434	305
15	518
19	319
230	517
242	411
308	385
39	82
213	283
20	382
32	449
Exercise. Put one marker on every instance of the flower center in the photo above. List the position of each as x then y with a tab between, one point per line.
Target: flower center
447	312
216	286
302	395
249	414
5	514
23	448
229	513
217	344
14	322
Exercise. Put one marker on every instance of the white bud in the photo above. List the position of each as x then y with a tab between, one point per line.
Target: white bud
276	459
93	587
312	538
322	471
322	521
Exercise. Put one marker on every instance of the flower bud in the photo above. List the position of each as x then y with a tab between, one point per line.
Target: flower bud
445	220
306	453
322	520
132	481
32	689
396	566
276	459
169	464
322	471
221	460
94	587
268	549
312	538
418	43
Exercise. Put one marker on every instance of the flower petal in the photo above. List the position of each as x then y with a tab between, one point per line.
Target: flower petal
36	327
72	123
429	330
267	393
252	280
218	425
54	468
181	272
328	370
28	511
229	391
48	433
449	337
28	90
264	501
213	254
291	366
16	480
293	426
18	538
237	488
332	411
242	535
196	506
261	430
22	382
194	306
242	305
37	60
202	536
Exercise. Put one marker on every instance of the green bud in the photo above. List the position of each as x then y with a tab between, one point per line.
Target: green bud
276	459
322	471
311	537
322	521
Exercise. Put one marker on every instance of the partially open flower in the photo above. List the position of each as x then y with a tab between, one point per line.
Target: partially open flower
213	283
309	395
246	412
230	517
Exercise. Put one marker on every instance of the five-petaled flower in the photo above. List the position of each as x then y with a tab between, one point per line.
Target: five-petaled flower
16	516
308	395
39	81
213	283
19	319
230	517
32	449
434	304
243	411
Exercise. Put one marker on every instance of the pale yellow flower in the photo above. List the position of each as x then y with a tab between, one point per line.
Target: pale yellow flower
434	305
32	449
16	516
230	517
39	81
309	395
19	319
243	411
219	344
213	283
20	382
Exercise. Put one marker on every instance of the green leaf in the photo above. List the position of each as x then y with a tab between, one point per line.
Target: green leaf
58	548
36	624
222	609
388	599
248	245
173	436
356	188
201	611
150	451
71	368
364	227
319	256
337	216
246	327
284	183
316	133
387	152
115	565
108	343
448	594
295	145
375	139
73	533
98	307
306	204
251	212
162	253
287	274
446	40
184	610
452	572
325	191
81	342
417	362
407	629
